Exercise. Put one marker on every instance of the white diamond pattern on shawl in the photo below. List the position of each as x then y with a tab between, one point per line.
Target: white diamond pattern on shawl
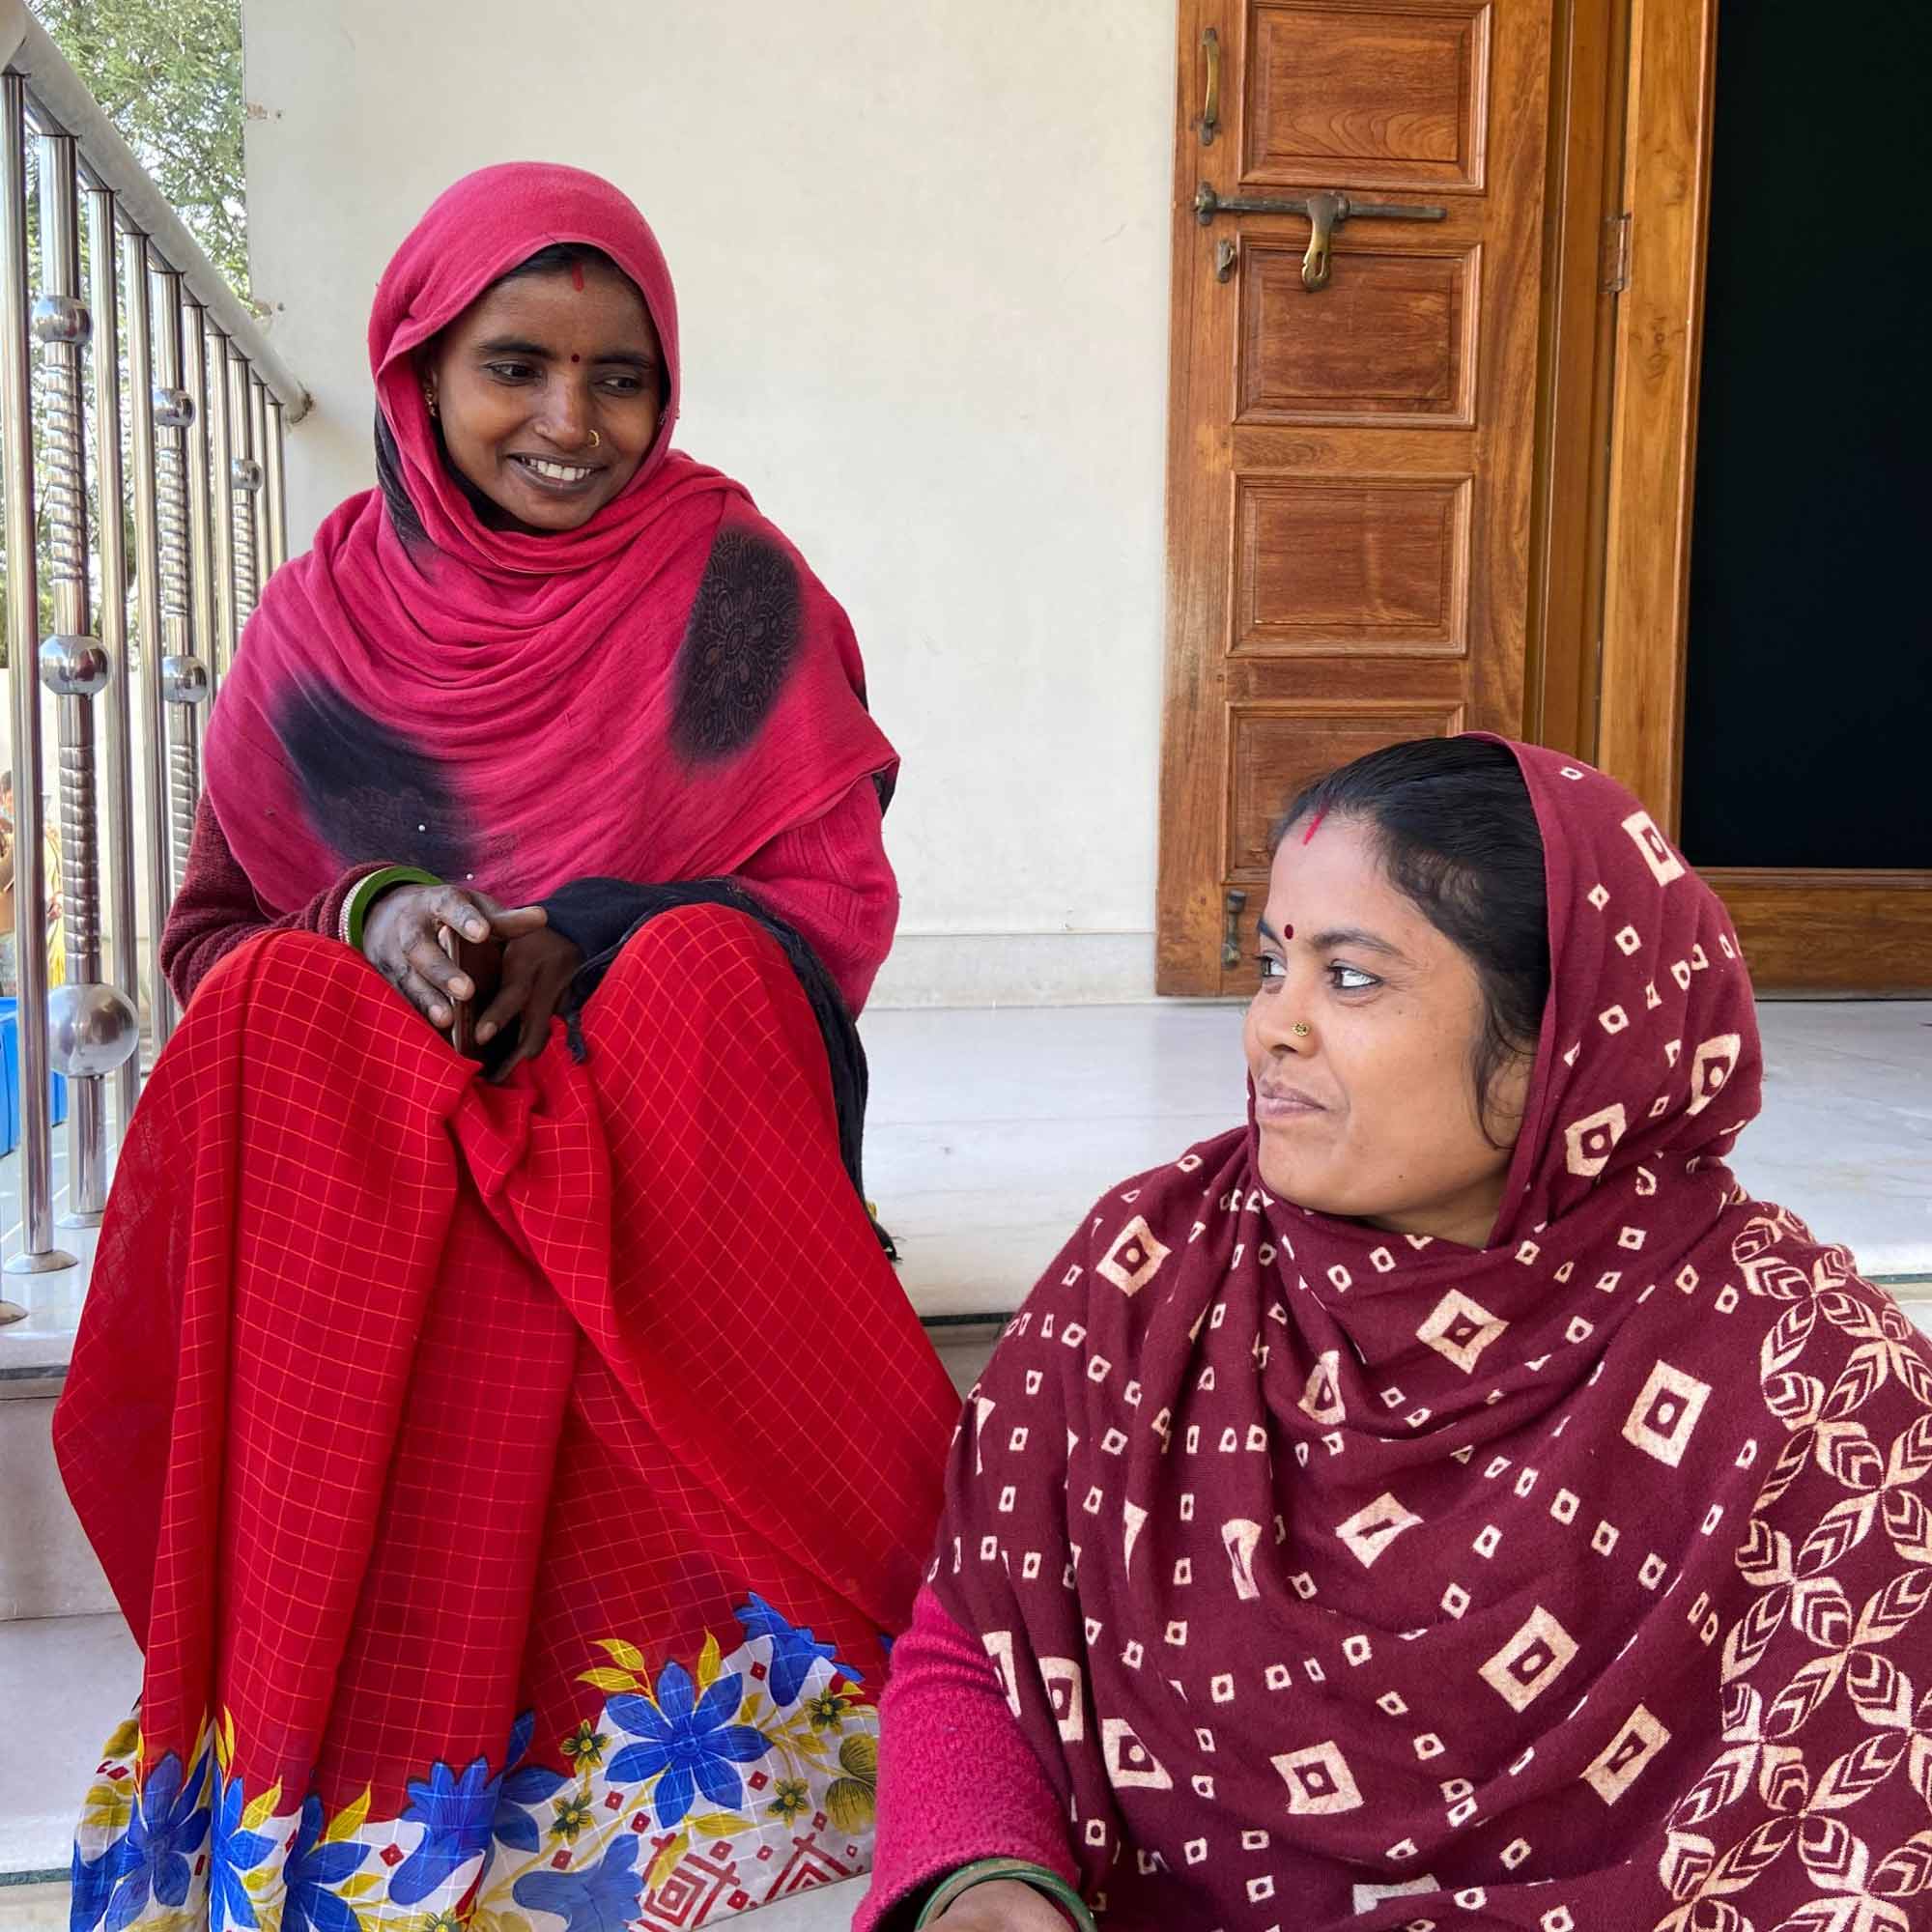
1588	1142
1711	1065
1621	1761
1530	1662
1666	1412
1319	1780
1460	1329
1134	1259
1665	865
1131	1765
1371	1530
1321	1399
1064	1691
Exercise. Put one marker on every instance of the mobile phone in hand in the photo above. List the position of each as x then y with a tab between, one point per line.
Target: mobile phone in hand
483	961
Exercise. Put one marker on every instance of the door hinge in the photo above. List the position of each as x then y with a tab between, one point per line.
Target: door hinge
1615	261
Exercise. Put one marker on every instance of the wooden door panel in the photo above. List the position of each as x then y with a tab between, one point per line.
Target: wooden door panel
1391	97
1277	748
1302	360
1832	932
1348	565
1351	468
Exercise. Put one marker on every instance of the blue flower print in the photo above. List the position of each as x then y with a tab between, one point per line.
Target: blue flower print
524	1784
312	1871
231	1853
794	1651
93	1884
168	1827
694	1743
457	1814
601	1898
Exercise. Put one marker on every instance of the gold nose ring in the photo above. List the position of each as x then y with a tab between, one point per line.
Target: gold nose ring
1300	1029
596	440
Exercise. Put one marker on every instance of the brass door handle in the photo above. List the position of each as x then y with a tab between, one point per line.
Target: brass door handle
1231	936
1326	209
1211	107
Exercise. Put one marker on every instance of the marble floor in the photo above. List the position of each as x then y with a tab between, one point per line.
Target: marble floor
991	1133
992	1130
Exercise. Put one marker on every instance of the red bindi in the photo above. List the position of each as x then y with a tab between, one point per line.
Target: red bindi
1314	827
577	281
577	359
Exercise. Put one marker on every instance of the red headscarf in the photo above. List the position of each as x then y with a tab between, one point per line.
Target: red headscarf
653	696
1348	1579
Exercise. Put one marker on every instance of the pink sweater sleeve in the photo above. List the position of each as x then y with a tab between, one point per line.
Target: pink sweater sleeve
958	1779
831	879
216	908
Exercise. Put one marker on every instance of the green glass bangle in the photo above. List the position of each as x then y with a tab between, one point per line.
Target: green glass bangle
983	1871
356	914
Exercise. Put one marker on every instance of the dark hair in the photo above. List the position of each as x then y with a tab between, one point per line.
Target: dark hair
560	258
1457	835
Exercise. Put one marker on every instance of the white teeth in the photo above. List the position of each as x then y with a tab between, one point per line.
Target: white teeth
558	472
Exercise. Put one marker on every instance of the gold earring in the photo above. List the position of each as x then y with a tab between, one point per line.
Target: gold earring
1300	1029
429	401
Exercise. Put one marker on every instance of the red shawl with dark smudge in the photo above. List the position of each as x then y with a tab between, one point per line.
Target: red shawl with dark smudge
653	696
1341	1579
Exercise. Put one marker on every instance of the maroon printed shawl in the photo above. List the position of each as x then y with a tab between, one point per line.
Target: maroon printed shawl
653	696
1340	1578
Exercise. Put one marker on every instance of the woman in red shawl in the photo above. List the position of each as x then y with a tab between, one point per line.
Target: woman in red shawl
510	1480
1447	1501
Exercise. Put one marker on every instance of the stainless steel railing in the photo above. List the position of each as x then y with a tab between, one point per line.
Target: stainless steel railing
120	304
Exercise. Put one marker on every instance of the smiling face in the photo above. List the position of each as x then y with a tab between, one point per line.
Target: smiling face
549	390
1372	1113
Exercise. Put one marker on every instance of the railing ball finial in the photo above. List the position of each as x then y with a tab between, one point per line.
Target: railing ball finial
246	473
62	319
91	1030
174	409
74	667
183	680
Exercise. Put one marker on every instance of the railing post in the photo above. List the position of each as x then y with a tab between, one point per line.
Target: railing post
110	493
221	456
38	1254
258	448
147	575
246	481
278	490
200	490
184	677
91	1029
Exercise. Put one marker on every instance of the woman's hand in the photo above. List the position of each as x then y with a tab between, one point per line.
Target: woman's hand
538	968
1003	1905
400	940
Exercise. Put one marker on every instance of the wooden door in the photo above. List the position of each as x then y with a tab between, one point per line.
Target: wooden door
1351	467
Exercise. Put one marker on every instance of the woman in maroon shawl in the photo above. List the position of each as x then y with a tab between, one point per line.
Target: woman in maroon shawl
1447	1501
510	1480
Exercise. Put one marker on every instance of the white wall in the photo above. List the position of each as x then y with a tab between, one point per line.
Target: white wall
920	251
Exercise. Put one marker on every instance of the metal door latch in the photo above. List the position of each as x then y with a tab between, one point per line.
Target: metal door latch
1231	938
1326	210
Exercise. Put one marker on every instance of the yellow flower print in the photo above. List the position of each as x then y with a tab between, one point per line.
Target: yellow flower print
792	1796
584	1746
571	1815
827	1710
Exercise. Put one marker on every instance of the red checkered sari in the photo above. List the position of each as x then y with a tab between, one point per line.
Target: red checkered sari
509	1487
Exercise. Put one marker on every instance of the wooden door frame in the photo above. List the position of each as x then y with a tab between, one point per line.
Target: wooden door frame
1814	931
1652	441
